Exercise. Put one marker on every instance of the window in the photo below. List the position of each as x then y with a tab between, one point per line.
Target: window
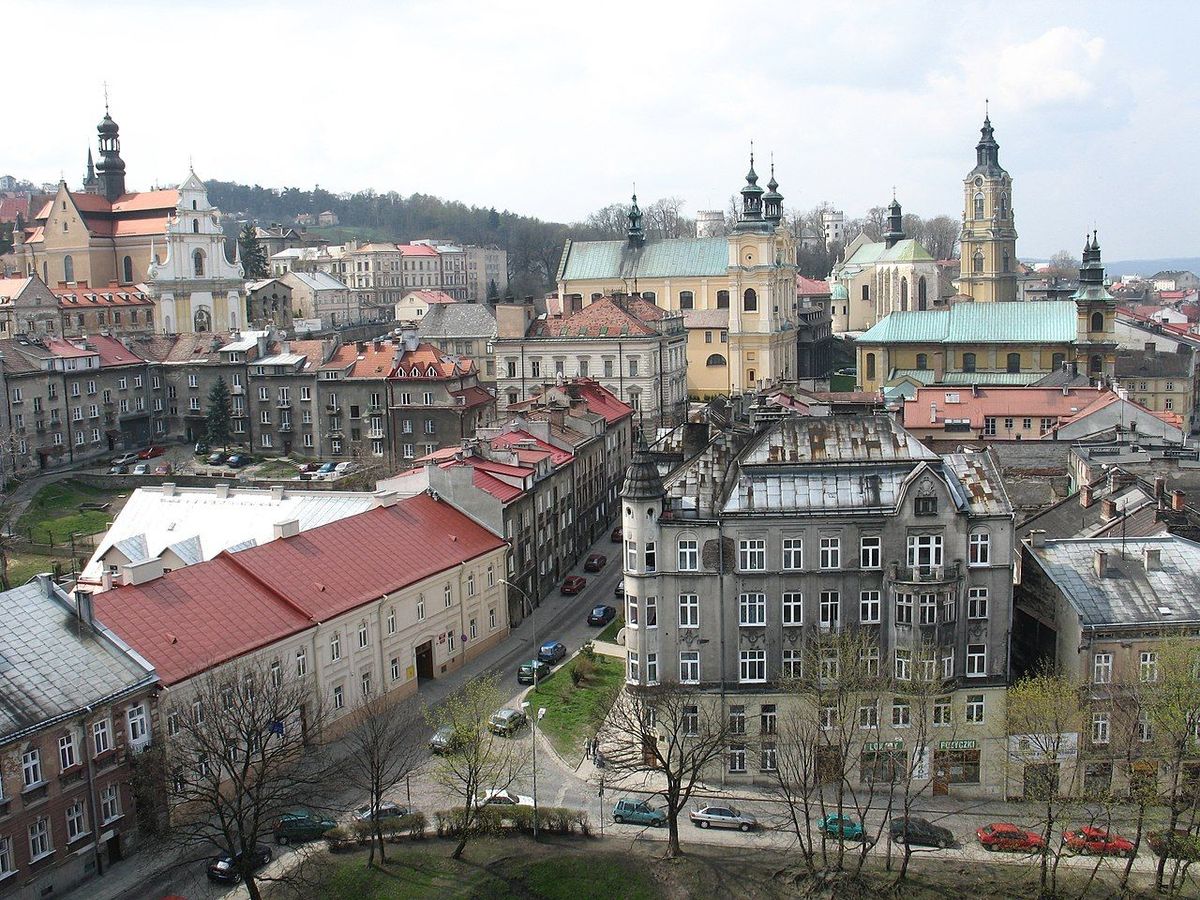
689	666
831	606
651	612
1100	727
690	720
68	264
977	262
869	552
339	697
868	607
6	856
868	659
652	668
989	426
968	362
980	548
870	361
110	804
829	718
752	556
752	666
737	720
974	709
928	609
139	729
301	663
31	767
793	609
925	506
689	611
768	761
198	261
1014	362
868	715
362	635
335	647
793	553
901	713
752	609
1145	728
924	550
737	758
979	205
749	300
76	821
948	665
904	609
366	684
1102	666
830	665
722	299
689	555
977	603
446	597
922	362
101	741
421	608
831	552
651	557
66	751
768	718
631	554
1148	666
976	660
903	665
634	662
39	833
942	717
792	663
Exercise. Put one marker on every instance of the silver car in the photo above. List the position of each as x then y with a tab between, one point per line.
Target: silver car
505	722
718	815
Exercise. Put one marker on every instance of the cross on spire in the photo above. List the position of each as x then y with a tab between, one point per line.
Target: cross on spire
106	98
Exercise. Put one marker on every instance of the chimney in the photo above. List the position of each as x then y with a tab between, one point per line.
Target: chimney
287	529
1037	538
1177	501
261	344
1152	558
1100	562
385	499
168	489
377	346
277	492
361	346
106	580
83	608
1160	487
141	572
1108	509
1085	496
222	490
932	413
1066	391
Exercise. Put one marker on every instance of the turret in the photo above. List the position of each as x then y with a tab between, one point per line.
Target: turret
895	233
111	169
635	234
642	497
773	200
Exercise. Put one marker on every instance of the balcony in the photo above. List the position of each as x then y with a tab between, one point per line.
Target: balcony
283	404
375	433
925	574
333	408
237	390
285	426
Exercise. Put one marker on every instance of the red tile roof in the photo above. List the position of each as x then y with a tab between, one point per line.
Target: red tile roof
11	207
83	297
473	396
199	616
1017	402
501	490
603	318
535	449
381	363
602	401
417	250
432	296
811	287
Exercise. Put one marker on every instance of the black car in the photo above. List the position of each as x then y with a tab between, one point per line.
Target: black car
920	831
227	867
601	615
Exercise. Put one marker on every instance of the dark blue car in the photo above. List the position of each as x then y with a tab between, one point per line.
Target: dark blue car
552	651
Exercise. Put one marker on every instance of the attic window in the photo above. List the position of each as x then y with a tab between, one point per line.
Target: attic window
416	373
431	372
603	331
1165	611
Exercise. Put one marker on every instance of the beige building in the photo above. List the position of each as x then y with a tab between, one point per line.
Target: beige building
413	306
487	273
1158	380
747	281
989	234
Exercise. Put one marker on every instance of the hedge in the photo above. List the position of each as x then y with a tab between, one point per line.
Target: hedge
492	820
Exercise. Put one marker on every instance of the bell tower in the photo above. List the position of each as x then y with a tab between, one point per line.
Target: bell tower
989	233
110	171
1095	315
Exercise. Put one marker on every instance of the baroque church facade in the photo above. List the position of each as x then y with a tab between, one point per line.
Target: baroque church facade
989	234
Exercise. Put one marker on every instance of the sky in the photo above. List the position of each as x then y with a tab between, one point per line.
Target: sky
557	109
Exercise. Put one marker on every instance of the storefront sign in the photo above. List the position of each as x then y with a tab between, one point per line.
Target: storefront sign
1047	747
921	765
876	746
958	745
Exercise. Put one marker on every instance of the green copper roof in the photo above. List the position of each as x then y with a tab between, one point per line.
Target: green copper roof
1052	322
966	379
906	251
867	254
673	258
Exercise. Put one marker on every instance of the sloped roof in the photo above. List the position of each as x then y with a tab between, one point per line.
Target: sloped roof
510	440
430	297
905	251
1052	322
602	401
795	441
459	320
811	287
316	281
603	318
669	258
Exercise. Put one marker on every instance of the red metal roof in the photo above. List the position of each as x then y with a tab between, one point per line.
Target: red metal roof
811	287
82	296
416	250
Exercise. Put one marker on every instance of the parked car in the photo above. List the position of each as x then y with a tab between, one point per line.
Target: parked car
552	652
310	467
1177	844
1099	841
215	459
595	562
619	592
446	740
163	469
601	615
615	537
638	812
151	452
573	584
503	797
506	721
387	810
141	469
326	468
716	815
922	832
125	459
300	825
201	448
526	671
227	867
237	460
841	826
1006	836
117	470
345	468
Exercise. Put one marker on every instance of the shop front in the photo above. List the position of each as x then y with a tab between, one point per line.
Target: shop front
882	762
956	762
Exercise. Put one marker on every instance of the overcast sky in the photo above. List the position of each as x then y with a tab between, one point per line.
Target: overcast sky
554	109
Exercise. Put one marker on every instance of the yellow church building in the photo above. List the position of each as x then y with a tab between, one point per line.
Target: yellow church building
737	292
989	234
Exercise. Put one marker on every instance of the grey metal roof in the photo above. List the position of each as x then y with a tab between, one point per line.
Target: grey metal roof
458	320
188	550
319	281
1128	594
50	665
838	439
817	489
133	548
669	258
979	477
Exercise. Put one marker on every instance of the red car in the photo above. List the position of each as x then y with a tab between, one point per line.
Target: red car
1006	836
595	562
616	535
1099	841
151	452
574	584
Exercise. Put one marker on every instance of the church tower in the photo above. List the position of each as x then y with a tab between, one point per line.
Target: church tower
1095	315
110	172
989	234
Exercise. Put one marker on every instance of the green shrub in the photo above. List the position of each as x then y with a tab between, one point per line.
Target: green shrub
589	651
341	838
411	826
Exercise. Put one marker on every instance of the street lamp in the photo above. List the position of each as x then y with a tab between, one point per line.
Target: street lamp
533	621
541	712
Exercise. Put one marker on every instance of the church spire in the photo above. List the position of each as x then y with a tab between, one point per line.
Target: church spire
111	170
987	151
895	233
772	199
89	179
635	233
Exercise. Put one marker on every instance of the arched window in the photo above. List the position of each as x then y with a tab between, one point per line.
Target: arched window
233	321
750	300
1004	206
1014	362
1096	365
979	548
715	359
968	362
979	205
45	272
127	269
167	325
1097	321
866	292
870	367
651	296
68	269
750	376
202	321
193	204
686	300
195	226
922	361
977	261
922	294
1058	360
198	263
904	293
722	299
1004	262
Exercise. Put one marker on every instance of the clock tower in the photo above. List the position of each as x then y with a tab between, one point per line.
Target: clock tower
989	234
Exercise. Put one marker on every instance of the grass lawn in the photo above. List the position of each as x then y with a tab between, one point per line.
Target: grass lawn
276	468
573	713
609	634
54	513
23	566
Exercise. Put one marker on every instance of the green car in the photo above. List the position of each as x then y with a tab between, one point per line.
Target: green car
840	826
301	825
638	812
525	674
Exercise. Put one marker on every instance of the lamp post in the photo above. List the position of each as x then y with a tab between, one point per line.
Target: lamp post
534	720
532	620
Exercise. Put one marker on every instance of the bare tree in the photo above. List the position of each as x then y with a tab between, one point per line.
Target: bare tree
238	758
941	237
1063	264
673	730
664	219
476	761
381	755
609	222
